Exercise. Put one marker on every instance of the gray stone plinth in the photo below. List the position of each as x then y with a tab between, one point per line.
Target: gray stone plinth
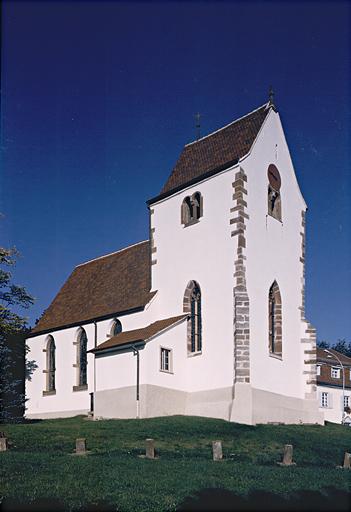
81	446
217	450
3	444
288	456
150	449
347	461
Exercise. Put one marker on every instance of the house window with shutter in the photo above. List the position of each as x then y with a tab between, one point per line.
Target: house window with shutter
192	209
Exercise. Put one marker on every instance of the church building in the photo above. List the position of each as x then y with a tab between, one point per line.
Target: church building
207	316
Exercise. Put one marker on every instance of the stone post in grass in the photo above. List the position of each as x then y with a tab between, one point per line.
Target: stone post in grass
3	444
217	452
288	456
81	446
150	449
347	461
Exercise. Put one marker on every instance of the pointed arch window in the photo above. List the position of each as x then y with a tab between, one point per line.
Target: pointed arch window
274	198
50	365
116	327
192	209
82	359
275	320
192	305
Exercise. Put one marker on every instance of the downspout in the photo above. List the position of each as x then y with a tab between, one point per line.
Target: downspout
95	345
136	353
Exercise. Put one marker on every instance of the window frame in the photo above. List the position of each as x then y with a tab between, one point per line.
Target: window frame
82	384
169	352
324	400
336	370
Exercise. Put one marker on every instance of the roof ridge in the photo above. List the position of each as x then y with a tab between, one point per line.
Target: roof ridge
226	126
111	253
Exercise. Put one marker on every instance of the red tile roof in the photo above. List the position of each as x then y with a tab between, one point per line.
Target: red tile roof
326	363
142	334
103	287
217	150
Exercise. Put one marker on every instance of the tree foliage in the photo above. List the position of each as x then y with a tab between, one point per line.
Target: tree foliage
13	330
341	346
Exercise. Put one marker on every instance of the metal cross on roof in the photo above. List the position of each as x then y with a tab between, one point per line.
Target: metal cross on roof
197	125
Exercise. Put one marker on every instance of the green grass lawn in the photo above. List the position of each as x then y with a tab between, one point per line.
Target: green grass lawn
40	464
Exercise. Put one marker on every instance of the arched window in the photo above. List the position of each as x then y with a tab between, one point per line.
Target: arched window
274	199
187	211
197	205
116	327
192	305
82	360
50	364
275	320
192	209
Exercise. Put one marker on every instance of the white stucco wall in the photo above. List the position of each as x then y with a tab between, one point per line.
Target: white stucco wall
203	252
273	253
334	410
65	399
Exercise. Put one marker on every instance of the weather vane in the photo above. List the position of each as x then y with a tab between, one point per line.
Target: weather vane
197	125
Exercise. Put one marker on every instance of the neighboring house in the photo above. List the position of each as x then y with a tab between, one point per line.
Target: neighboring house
332	399
207	316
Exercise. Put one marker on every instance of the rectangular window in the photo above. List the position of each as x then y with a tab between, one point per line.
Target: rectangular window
318	369
346	401
324	399
335	373
166	360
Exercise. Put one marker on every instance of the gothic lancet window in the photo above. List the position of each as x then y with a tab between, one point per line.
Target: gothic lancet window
192	209
192	305
275	320
82	360
50	364
274	199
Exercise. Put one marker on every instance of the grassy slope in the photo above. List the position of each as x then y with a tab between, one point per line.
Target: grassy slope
39	465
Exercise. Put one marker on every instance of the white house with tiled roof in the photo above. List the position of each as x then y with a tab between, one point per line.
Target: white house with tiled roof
207	316
334	385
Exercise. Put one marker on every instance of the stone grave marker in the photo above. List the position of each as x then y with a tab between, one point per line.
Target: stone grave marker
217	452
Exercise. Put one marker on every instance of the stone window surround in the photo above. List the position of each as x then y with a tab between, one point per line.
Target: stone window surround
187	309
170	360
46	372
76	343
274	291
186	218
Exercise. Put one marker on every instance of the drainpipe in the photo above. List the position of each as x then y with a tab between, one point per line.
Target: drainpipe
95	345
136	353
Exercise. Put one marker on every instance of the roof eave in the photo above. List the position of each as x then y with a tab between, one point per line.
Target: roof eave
202	177
89	321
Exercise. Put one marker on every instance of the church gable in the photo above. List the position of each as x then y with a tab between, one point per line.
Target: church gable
109	285
217	150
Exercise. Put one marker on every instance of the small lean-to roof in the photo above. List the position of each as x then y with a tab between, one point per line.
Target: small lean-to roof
142	334
217	150
112	284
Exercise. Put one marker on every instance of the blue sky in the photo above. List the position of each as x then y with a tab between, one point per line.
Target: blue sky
98	98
